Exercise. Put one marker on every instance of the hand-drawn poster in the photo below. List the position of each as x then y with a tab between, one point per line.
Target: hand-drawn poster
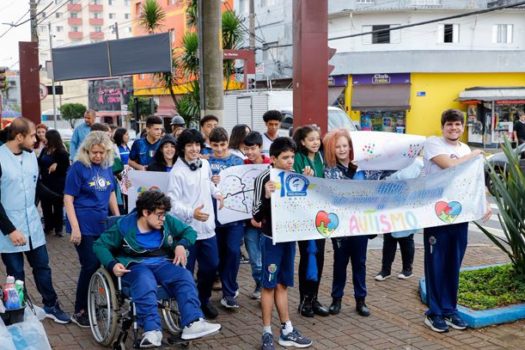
306	208
237	188
140	181
376	150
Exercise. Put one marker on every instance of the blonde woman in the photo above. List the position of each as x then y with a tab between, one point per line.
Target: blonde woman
89	190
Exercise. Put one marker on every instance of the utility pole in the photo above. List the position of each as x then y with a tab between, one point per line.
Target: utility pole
52	79
123	113
32	14
211	58
252	24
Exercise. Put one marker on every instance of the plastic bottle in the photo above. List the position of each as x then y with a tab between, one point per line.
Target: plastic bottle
13	301
9	283
19	286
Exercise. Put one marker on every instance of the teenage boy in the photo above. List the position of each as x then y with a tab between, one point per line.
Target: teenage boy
229	236
277	259
208	123
144	148
146	248
252	232
190	190
20	224
445	245
272	119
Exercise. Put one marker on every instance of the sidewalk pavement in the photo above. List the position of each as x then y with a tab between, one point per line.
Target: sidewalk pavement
396	321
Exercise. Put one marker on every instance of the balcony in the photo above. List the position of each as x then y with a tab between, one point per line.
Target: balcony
74	21
74	7
95	8
96	21
96	35
75	35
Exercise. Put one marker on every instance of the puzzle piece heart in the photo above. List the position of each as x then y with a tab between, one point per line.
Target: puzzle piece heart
447	211
326	223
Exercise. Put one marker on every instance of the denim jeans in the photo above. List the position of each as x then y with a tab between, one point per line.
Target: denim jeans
229	241
39	262
252	241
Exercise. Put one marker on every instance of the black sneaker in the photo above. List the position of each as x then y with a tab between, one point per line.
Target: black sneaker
405	274
382	275
244	260
455	321
209	311
81	319
436	323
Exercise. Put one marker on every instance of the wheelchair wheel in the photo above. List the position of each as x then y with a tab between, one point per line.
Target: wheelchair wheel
103	307
171	316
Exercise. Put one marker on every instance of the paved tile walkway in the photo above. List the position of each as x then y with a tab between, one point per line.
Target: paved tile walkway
396	321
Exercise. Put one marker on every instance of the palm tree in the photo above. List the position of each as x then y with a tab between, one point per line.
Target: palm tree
232	35
152	16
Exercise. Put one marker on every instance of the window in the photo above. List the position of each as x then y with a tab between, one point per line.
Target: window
59	29
95	2
97	15
58	15
129	29
42	29
111	16
73	15
448	33
267	3
382	34
126	3
365	1
74	29
98	29
502	33
110	2
126	16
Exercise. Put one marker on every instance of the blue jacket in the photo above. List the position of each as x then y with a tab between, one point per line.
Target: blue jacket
79	134
17	195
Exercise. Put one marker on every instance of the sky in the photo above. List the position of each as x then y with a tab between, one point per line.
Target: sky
10	12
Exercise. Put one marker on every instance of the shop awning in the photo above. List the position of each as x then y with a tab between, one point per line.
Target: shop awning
394	97
492	94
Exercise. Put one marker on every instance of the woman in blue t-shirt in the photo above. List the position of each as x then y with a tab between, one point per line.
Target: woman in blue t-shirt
121	138
89	191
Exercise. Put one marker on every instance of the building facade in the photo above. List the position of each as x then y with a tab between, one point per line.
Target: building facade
401	80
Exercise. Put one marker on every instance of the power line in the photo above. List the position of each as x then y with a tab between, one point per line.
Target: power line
52	12
467	14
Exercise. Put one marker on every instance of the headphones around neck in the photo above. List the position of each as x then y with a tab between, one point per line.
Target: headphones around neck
194	165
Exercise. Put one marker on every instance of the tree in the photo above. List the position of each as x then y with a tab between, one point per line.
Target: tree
144	104
152	16
232	36
72	111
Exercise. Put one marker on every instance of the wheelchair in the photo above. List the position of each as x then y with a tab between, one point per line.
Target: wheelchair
112	312
109	306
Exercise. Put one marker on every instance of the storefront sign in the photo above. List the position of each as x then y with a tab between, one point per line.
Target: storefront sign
104	94
381	79
305	208
338	80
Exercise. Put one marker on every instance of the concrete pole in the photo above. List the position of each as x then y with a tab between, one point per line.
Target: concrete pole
52	79
32	14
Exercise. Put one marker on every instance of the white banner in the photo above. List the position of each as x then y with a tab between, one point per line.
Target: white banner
376	150
140	181
306	208
237	188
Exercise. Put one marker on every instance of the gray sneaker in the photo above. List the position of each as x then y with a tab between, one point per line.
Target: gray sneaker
294	338
267	341
199	329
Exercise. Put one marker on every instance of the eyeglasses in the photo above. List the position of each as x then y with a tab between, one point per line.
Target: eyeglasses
160	216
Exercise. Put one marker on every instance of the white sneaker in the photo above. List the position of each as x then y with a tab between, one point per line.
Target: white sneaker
151	339
199	329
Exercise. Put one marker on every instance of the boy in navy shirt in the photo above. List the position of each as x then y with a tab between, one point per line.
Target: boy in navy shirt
277	259
144	149
229	236
208	123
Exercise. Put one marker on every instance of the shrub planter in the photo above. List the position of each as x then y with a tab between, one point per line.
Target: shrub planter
482	318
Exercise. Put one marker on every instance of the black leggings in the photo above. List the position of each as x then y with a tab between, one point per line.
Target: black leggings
406	245
310	288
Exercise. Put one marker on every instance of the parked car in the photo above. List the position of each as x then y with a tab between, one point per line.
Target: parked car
337	118
500	162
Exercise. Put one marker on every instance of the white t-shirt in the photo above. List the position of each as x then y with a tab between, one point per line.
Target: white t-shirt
267	142
435	146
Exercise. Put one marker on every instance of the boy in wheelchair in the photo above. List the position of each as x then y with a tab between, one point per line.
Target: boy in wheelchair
147	248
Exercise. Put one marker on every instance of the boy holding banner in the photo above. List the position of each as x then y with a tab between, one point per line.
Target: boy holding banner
445	245
277	259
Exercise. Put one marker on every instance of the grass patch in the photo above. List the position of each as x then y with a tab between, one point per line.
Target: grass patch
491	287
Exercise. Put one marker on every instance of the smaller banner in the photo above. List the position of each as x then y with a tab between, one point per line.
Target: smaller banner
140	181
237	188
376	150
305	208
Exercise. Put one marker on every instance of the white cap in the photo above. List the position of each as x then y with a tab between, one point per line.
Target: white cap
10	279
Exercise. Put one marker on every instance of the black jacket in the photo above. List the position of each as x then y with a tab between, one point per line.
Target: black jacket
158	163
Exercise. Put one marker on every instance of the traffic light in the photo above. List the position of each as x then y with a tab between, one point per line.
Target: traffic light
3	78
